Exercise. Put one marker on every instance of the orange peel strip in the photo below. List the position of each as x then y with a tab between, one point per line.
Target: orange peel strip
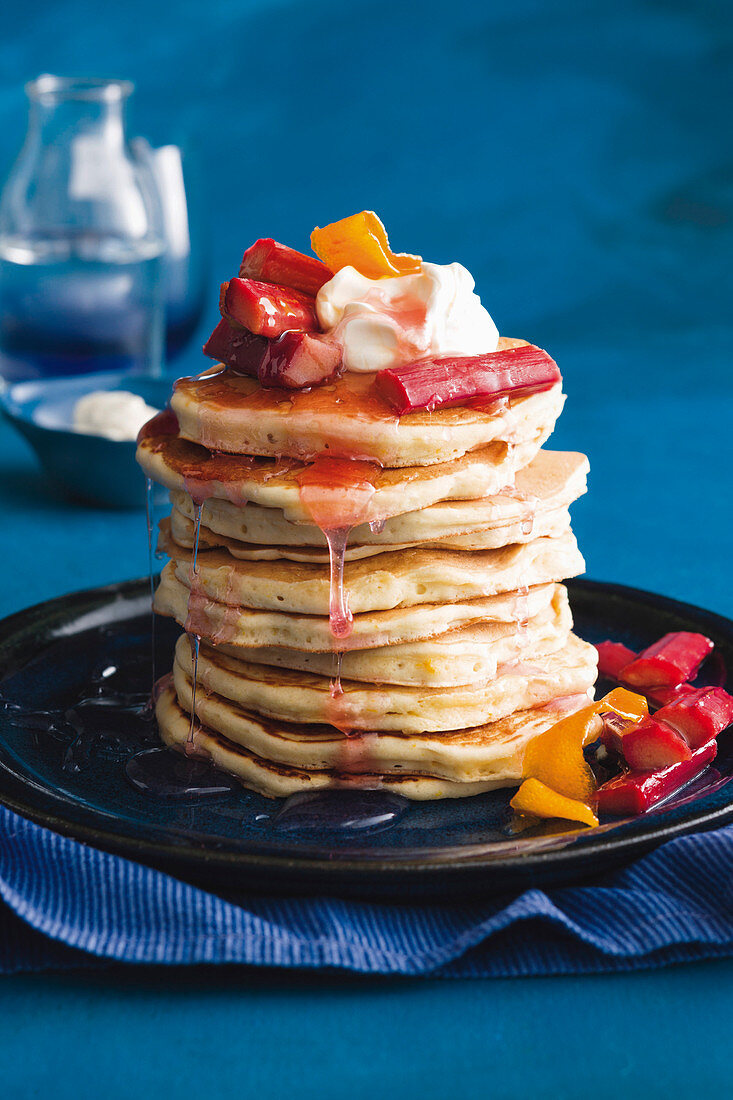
556	758
535	797
625	703
361	241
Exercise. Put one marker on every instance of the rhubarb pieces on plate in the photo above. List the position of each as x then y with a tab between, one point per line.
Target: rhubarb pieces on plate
654	755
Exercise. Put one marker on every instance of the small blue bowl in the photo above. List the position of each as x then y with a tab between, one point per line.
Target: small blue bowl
86	468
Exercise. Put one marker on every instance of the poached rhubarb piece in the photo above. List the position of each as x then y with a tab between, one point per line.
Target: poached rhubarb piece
663	696
612	657
268	261
443	380
672	660
637	792
293	361
614	729
267	310
236	348
621	710
360	241
700	715
298	360
652	745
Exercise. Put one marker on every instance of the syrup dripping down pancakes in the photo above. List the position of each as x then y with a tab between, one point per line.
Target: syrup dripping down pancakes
369	598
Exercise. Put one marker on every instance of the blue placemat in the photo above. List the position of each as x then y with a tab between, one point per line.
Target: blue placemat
68	905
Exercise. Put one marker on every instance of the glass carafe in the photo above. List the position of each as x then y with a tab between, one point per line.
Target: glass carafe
80	240
176	173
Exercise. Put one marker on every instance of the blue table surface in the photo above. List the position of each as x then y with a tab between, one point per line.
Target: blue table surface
576	157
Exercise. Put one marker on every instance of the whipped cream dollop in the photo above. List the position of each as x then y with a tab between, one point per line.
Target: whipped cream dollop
389	322
113	414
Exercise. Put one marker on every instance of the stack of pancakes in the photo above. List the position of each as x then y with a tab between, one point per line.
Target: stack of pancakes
447	646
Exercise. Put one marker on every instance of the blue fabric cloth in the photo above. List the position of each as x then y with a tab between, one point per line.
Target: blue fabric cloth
67	905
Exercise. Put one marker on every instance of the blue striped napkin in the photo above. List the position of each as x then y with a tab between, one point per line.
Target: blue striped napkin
68	905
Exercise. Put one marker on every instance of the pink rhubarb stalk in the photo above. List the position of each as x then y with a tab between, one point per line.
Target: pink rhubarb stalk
612	657
236	348
271	262
672	660
653	745
636	792
444	380
265	309
700	715
297	360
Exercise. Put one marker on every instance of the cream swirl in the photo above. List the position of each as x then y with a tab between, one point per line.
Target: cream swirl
388	322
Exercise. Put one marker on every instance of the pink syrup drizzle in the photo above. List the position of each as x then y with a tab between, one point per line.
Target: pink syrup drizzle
194	637
337	494
150	520
340	617
227	628
356	761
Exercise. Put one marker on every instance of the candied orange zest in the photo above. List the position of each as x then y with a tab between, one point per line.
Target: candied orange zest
556	758
360	241
555	762
535	797
625	703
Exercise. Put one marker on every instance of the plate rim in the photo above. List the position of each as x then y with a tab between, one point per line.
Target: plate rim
334	871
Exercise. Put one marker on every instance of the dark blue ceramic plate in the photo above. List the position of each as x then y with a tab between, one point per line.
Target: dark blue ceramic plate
67	771
84	467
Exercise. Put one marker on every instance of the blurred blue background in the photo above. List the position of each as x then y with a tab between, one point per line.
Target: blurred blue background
576	157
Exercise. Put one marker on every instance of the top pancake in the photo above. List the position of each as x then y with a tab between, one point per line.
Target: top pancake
348	418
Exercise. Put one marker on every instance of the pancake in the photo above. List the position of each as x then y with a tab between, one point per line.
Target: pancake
223	411
452	765
467	655
182	529
399	579
248	629
184	467
533	506
304	697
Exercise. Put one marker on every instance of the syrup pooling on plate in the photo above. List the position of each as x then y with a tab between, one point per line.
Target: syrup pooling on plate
165	775
355	811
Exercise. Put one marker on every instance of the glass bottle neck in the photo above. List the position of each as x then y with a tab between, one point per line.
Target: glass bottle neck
60	120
